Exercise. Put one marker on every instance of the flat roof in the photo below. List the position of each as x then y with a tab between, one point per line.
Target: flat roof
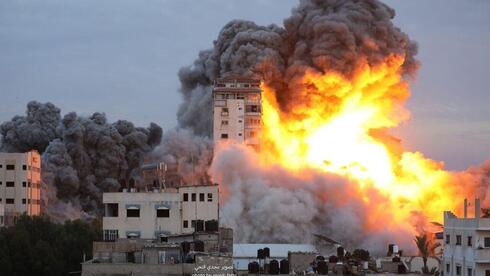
249	250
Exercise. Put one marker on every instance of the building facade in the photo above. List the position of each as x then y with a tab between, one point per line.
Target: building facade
20	184
160	213
237	110
466	243
2	215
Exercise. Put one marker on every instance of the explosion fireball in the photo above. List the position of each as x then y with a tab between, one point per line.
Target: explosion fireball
335	80
341	128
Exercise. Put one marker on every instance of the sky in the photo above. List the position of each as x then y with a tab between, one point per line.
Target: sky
121	57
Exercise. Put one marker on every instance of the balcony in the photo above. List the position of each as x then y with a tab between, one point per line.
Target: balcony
482	255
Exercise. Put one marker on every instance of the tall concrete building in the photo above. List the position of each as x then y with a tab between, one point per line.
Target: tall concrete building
466	243
237	110
20	184
160	213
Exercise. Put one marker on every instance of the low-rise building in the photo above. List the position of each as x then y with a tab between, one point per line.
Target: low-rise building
160	213
20	184
466	243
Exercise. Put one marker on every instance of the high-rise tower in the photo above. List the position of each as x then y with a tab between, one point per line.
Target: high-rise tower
237	110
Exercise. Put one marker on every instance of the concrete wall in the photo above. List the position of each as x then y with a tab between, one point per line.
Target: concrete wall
204	264
300	261
26	176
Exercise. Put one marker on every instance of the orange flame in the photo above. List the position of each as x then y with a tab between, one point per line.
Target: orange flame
340	125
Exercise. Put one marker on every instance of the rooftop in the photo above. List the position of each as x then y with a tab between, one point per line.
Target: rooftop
249	250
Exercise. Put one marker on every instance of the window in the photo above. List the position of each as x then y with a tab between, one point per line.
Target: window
133	213
10	167
201	197
163	213
112	210
0	183
252	108
447	268
224	122
1	166
470	241
487	272
193	223
224	111
186	197
111	235
10	183
486	241
458	239
24	183
210	197
9	201
186	224
193	197
23	201
24	167
239	134
448	239
470	271
224	136
28	184
240	121
458	270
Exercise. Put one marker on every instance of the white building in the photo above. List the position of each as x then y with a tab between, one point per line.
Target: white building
466	243
237	110
161	213
20	184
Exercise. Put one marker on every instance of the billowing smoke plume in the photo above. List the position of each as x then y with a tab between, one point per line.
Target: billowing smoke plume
320	36
276	205
82	156
191	154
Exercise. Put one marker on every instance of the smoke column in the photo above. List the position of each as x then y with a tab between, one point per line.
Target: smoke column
82	157
320	37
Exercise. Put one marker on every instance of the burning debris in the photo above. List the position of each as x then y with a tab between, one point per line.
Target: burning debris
82	157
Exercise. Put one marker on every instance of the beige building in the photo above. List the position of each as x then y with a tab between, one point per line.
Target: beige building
20	184
160	213
237	110
466	243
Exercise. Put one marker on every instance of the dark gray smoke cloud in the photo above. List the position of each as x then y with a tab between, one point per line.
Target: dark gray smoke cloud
320	35
82	156
33	131
265	205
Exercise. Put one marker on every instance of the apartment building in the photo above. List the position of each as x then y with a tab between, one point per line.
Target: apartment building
237	110
20	184
466	243
160	213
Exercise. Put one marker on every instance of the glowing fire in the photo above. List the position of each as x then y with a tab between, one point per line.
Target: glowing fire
339	125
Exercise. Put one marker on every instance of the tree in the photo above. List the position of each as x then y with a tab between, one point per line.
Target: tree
37	246
426	248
